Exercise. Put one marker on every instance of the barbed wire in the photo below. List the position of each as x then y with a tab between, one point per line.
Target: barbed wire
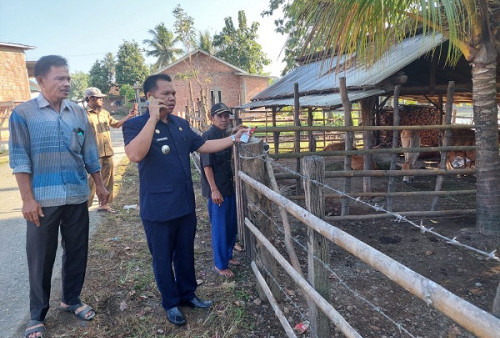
339	279
398	217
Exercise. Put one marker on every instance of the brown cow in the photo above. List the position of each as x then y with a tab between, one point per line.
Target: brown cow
410	139
461	158
357	161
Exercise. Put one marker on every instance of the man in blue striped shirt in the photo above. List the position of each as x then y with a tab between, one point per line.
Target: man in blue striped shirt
51	149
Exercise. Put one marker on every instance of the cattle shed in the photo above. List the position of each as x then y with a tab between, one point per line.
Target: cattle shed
414	70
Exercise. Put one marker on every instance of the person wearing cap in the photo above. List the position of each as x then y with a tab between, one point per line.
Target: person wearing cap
101	120
160	143
218	187
51	149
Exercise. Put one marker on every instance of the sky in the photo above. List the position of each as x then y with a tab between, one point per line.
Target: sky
84	31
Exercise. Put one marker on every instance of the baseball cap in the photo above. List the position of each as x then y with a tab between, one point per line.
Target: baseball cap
93	91
220	108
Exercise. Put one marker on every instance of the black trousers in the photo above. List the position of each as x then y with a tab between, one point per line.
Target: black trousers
41	247
173	242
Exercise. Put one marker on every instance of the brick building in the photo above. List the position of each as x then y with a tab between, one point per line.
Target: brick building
220	80
14	83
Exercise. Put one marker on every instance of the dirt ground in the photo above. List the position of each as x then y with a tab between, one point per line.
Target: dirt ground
121	287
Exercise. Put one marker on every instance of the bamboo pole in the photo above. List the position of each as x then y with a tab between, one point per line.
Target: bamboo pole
422	213
396	194
327	309
456	308
277	311
276	135
240	199
360	128
395	144
286	224
348	142
385	173
446	140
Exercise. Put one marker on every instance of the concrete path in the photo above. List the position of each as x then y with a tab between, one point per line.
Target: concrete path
14	286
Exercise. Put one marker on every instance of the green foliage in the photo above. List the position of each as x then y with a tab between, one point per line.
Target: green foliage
162	46
184	28
102	73
79	82
127	91
130	65
206	42
239	47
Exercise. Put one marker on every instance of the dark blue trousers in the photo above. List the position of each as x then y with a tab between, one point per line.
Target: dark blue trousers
41	247
173	242
224	230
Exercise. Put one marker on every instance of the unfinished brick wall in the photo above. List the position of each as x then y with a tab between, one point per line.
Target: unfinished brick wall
14	84
212	75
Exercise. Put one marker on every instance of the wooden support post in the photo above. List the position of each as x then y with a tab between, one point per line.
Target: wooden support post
447	135
276	135
258	210
240	199
310	137
395	144
296	122
349	138
367	119
313	167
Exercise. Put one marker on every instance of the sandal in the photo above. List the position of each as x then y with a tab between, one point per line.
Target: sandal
82	314
238	247
224	273
34	326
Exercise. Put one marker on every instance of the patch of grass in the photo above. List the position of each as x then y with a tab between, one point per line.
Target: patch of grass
120	284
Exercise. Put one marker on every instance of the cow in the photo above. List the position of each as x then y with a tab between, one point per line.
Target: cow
461	158
357	161
410	139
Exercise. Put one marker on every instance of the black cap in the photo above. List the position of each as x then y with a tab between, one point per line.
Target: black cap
219	108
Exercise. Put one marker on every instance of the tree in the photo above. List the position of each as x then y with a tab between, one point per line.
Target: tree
130	65
102	73
206	42
79	82
161	46
239	46
370	27
184	28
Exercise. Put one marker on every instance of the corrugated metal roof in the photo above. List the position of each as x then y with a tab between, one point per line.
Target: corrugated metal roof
320	76
326	100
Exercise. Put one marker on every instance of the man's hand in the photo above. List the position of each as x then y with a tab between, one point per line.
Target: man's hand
102	194
235	129
155	105
32	211
239	133
217	197
133	111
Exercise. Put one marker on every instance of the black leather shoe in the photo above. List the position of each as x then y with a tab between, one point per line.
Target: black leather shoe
197	303
175	316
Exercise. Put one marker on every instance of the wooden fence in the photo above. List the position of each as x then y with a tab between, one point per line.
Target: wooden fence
254	195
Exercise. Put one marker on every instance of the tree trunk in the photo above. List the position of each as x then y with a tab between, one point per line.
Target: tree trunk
487	158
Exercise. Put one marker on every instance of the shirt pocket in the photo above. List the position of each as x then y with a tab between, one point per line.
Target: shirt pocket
77	139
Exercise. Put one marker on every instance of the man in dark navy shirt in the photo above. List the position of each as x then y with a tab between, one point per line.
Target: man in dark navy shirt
218	187
161	143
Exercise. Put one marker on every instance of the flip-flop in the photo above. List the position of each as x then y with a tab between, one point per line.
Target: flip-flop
82	314
30	329
225	273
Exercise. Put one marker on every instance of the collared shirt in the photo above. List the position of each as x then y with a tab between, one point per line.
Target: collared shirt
101	122
166	188
221	166
57	149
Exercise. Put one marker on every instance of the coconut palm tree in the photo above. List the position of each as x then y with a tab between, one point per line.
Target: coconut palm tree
206	42
370	27
162	46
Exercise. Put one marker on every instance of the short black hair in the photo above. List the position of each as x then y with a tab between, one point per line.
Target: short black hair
42	66
151	82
